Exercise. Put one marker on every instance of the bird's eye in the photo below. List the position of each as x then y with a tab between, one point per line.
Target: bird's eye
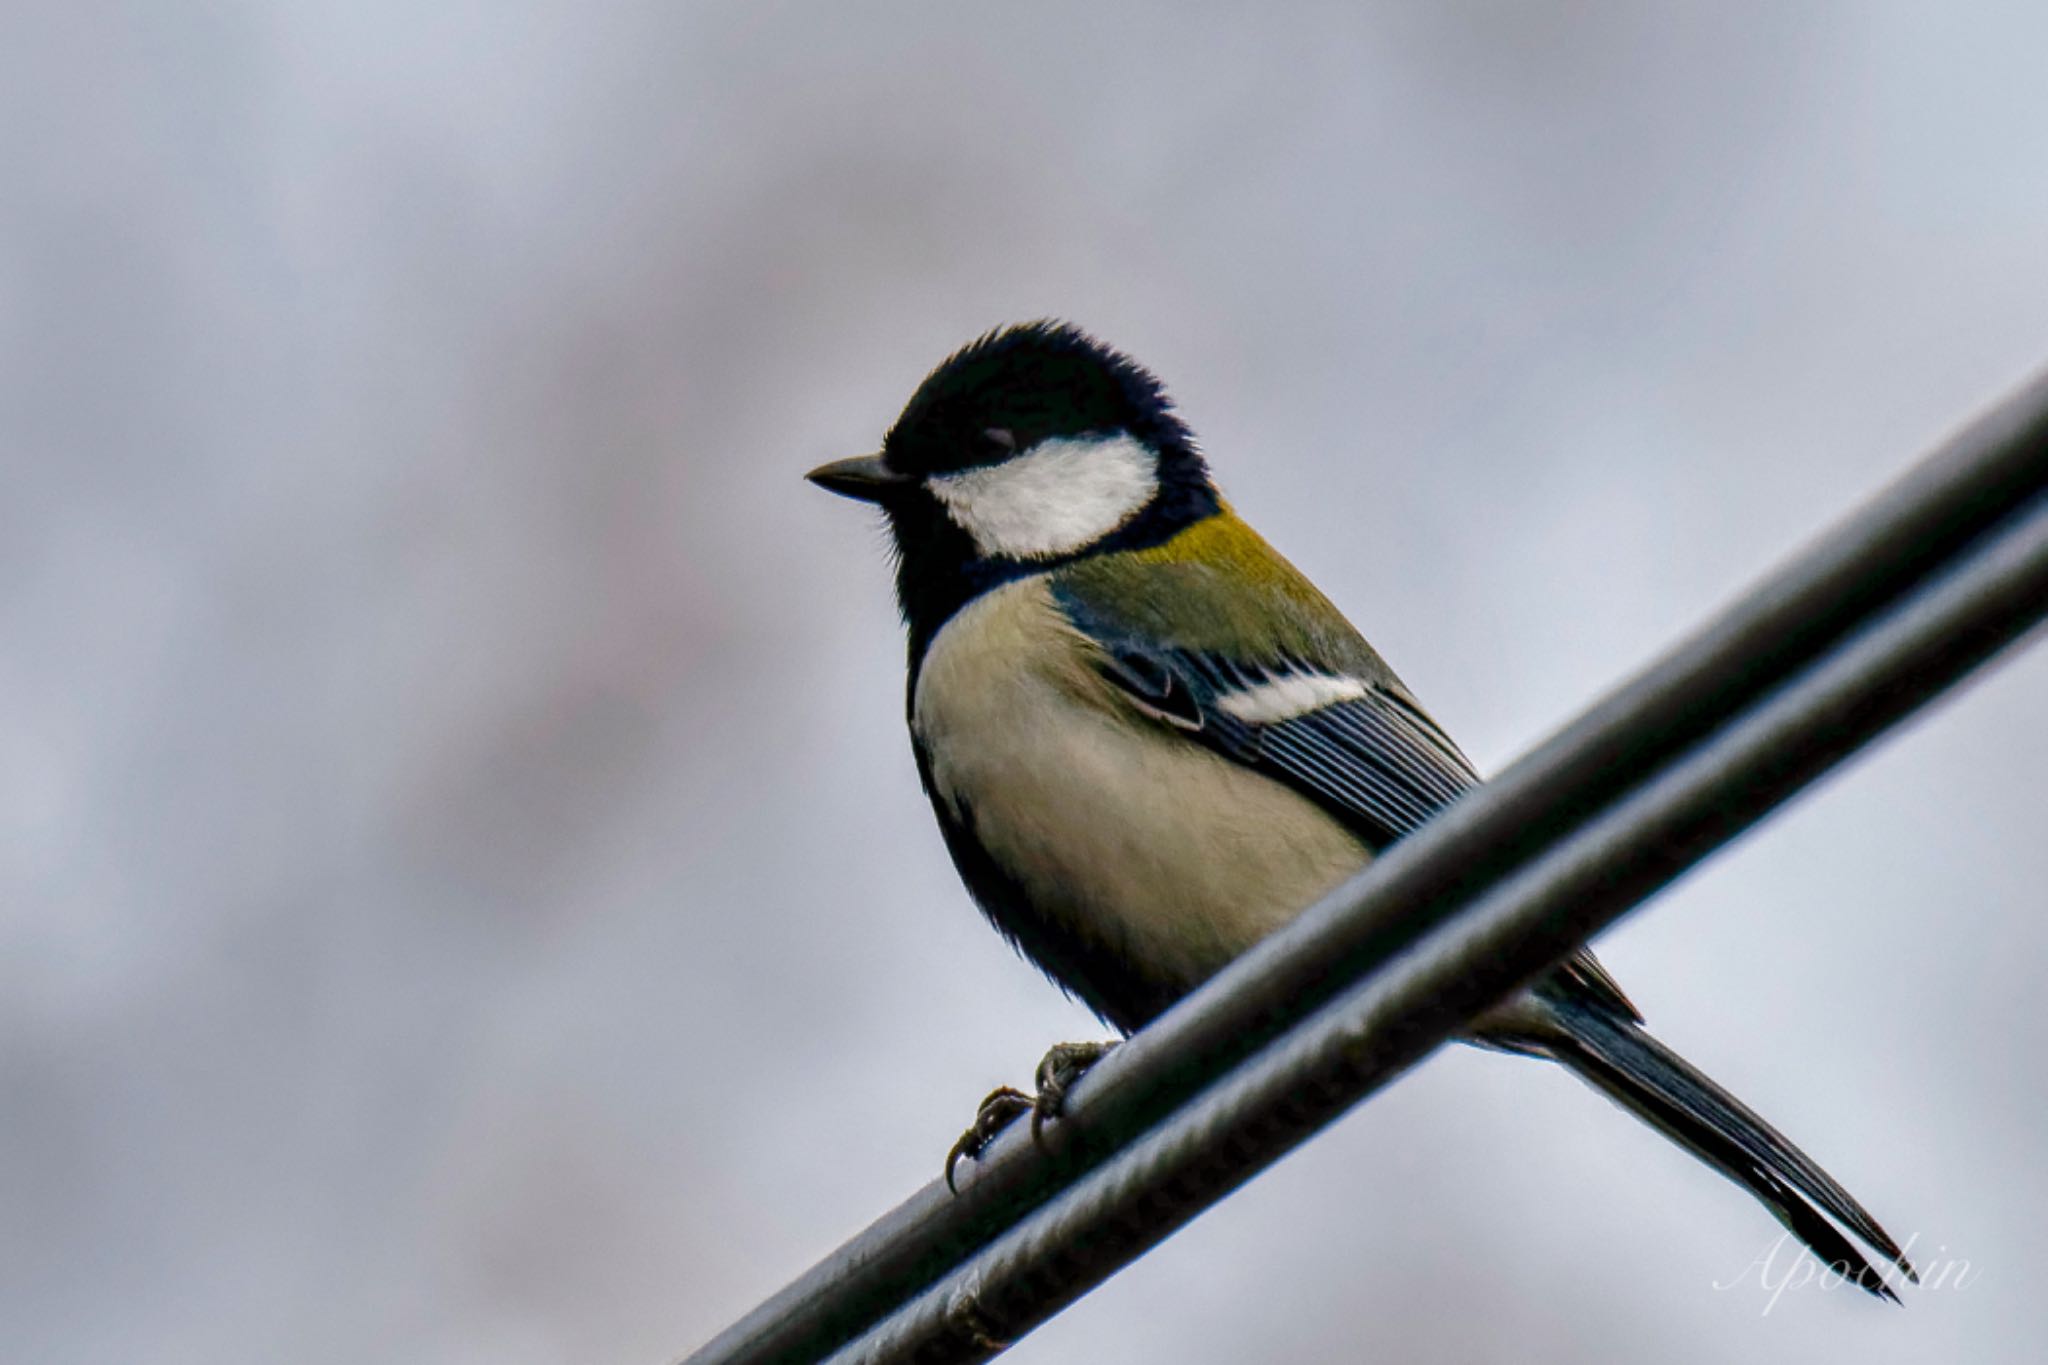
999	441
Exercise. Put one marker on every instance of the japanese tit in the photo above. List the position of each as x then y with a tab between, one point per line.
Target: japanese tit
1150	741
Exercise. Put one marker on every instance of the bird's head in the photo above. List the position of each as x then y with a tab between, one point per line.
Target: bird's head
1031	446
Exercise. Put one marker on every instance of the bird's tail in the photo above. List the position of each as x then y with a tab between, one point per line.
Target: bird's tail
1625	1063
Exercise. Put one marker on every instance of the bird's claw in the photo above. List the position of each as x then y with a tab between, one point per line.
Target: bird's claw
1003	1107
1063	1065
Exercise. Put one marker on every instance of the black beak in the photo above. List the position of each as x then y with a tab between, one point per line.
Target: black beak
864	477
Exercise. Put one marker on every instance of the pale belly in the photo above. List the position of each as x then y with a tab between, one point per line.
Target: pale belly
1129	834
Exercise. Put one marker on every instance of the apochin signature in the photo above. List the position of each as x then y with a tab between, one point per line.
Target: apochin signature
1789	1264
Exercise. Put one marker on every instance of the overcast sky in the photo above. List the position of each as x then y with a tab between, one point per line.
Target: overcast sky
464	891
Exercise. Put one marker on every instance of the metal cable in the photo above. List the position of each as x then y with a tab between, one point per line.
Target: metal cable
1881	566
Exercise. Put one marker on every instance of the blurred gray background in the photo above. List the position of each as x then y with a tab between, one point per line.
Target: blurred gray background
464	893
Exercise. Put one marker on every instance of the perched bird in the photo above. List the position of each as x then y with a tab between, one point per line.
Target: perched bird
1150	741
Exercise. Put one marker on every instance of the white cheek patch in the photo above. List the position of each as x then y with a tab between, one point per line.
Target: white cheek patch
1288	698
1057	497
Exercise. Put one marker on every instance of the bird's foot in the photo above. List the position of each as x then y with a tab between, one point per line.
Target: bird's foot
1003	1107
1063	1065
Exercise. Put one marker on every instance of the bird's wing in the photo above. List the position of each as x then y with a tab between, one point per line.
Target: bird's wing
1356	748
1218	638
